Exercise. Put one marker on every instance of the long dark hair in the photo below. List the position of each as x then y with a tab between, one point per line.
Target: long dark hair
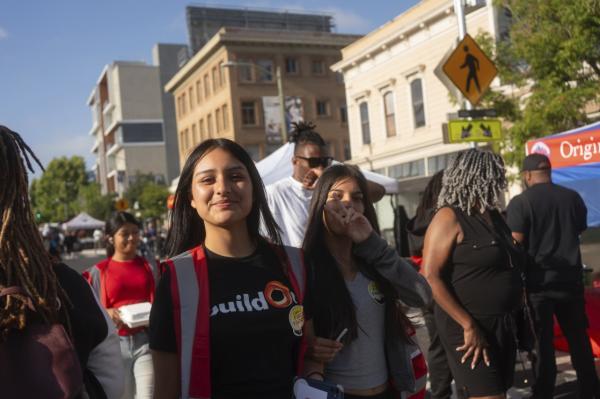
113	224
187	228
334	309
24	262
430	196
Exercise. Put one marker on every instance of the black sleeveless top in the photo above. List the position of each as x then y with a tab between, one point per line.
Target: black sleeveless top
482	270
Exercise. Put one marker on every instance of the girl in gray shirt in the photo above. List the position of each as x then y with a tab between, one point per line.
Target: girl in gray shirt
356	282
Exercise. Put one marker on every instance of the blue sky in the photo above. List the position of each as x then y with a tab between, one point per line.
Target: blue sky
52	52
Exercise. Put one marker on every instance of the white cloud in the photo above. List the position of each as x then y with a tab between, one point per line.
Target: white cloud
3	33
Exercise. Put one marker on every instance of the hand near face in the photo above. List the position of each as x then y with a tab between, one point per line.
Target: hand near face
310	179
341	220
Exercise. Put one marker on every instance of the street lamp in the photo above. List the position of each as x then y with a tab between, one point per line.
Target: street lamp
232	64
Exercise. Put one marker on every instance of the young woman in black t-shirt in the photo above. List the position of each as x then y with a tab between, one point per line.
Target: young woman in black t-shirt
240	304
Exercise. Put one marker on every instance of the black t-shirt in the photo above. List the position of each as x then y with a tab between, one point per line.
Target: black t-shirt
551	217
253	344
88	325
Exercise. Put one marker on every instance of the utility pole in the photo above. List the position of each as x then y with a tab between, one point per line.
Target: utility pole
462	31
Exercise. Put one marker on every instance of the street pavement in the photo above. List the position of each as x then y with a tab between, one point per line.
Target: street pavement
565	381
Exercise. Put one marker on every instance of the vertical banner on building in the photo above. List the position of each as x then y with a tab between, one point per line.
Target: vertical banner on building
294	112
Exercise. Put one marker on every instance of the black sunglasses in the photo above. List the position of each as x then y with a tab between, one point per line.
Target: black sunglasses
315	162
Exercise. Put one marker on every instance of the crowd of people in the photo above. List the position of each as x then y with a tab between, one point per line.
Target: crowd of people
263	288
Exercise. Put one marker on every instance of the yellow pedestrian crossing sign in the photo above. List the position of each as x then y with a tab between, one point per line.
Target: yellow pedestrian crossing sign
121	204
465	130
470	70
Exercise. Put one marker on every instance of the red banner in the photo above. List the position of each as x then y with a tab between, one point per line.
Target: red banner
569	149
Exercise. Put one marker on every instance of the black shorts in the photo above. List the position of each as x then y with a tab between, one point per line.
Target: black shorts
494	379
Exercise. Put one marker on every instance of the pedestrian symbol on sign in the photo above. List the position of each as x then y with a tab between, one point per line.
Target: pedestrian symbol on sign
472	63
469	69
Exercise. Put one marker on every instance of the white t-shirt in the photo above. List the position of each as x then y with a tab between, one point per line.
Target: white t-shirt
289	202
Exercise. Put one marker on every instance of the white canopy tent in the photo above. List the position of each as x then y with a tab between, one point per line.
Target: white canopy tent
278	165
83	221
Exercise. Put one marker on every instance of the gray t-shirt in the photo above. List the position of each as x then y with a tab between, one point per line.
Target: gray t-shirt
362	363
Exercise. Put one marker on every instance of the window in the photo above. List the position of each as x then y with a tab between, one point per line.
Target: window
364	123
206	86
318	67
265	70
416	92
191	94
198	92
439	162
202	131
344	113
408	169
339	78
194	134
291	66
183	104
218	119
322	107
221	74
390	119
225	118
179	107
209	125
347	152
248	113
215	79
245	71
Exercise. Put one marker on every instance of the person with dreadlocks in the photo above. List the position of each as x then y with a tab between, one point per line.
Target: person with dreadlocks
469	257
289	198
58	294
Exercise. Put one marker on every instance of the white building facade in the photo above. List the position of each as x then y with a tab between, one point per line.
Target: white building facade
396	104
127	125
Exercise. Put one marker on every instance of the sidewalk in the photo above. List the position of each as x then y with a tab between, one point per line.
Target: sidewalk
84	259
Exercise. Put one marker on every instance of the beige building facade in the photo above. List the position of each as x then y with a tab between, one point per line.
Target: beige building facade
219	93
396	104
127	125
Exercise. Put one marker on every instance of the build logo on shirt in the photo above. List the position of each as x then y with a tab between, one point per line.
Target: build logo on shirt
275	295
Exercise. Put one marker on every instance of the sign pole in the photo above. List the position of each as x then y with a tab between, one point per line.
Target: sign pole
462	31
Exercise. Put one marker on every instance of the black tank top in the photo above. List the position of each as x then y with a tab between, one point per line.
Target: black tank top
481	272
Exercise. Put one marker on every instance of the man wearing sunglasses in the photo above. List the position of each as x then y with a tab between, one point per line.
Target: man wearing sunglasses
289	198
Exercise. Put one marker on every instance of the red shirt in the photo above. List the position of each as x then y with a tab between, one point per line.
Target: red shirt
128	282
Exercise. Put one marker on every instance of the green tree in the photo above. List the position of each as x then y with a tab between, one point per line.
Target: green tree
136	187
153	200
55	194
552	52
94	203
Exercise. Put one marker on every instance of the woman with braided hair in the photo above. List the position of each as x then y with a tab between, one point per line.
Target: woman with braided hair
58	294
469	259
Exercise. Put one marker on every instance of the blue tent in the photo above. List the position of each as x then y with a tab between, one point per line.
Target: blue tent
575	158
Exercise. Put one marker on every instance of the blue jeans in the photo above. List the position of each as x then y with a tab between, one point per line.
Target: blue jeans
139	371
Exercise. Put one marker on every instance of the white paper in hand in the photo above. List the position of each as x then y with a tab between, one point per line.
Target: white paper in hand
304	391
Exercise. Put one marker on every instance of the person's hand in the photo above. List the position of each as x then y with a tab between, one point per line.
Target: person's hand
475	346
323	350
358	227
116	317
335	216
310	179
341	220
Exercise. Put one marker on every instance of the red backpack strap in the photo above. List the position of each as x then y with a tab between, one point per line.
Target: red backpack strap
191	310
201	387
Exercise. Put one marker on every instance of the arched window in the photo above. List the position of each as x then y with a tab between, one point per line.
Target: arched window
416	92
